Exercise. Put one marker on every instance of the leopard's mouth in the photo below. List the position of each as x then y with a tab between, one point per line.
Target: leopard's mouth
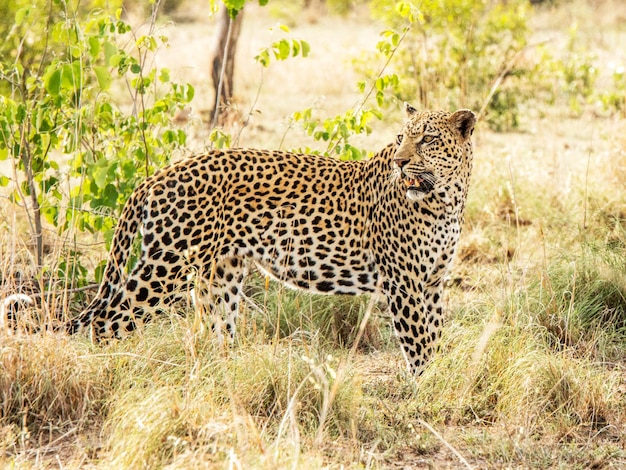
410	182
423	183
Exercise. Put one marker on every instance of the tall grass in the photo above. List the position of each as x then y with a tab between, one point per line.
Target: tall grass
543	362
170	396
334	318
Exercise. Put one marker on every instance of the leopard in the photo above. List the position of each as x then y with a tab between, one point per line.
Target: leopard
387	225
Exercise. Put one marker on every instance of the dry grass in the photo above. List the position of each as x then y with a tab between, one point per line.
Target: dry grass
530	373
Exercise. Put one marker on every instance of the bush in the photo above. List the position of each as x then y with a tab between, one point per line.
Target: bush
455	54
79	144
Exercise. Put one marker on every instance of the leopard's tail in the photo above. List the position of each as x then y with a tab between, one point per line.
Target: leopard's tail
113	276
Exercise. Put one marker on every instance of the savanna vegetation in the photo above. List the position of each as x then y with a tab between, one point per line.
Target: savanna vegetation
531	372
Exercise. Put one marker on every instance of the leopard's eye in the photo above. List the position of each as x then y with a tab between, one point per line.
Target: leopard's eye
399	139
427	139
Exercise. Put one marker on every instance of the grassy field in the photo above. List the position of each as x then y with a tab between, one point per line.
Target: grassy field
531	371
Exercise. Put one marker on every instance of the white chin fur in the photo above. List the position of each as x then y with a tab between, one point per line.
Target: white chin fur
414	195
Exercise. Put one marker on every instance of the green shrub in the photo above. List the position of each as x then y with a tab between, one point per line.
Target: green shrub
84	119
455	53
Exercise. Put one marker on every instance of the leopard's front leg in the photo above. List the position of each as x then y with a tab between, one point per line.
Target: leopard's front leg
417	319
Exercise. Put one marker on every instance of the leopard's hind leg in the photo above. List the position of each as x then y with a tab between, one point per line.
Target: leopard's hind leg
221	300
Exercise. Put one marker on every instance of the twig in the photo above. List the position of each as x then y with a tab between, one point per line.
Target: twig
246	121
445	443
359	107
382	70
73	290
133	356
586	200
505	70
49	448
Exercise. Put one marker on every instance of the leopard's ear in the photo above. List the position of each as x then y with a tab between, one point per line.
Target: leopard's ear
410	110
463	120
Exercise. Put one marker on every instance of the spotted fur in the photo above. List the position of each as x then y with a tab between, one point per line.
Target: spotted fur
389	224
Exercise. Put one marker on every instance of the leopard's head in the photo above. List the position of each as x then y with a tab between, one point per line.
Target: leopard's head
434	150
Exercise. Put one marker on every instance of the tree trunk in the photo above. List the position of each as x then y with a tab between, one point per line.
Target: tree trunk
223	64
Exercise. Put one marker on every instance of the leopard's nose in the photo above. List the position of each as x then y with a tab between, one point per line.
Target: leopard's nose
401	161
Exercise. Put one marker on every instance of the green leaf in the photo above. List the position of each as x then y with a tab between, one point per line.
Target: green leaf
190	92
284	50
72	76
146	42
94	47
129	170
99	271
108	237
104	77
48	184
20	114
169	136
115	59
100	174
109	196
263	58
220	139
164	76
305	48
110	51
234	6
354	153
50	213
21	14
77	162
52	80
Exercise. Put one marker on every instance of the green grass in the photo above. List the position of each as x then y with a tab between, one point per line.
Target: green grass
535	366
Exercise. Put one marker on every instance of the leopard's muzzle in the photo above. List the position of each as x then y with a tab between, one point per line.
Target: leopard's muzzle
423	183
